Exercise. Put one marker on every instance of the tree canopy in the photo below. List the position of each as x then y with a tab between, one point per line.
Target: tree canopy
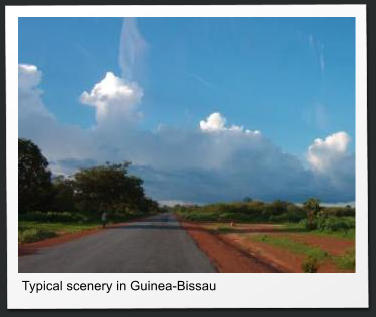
100	188
313	205
34	179
108	187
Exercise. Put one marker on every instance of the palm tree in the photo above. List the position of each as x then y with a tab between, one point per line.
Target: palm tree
312	206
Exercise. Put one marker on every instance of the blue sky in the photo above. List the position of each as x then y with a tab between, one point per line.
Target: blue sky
293	79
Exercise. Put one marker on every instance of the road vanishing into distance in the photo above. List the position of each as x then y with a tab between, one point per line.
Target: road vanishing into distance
157	244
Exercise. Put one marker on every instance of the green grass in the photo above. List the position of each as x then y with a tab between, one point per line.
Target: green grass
32	231
293	246
224	229
350	234
298	227
346	261
34	234
314	255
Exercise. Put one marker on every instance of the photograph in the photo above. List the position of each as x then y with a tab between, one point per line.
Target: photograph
186	145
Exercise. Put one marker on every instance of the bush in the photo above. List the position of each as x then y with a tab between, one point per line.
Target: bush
310	264
33	235
253	211
52	216
335	224
295	213
224	229
328	219
347	261
339	211
195	216
308	225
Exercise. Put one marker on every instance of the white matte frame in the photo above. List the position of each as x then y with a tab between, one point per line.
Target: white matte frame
238	290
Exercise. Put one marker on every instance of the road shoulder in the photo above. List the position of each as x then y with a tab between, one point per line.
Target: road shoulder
227	258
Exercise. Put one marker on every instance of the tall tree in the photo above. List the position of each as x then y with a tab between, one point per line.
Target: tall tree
63	194
34	179
312	207
108	188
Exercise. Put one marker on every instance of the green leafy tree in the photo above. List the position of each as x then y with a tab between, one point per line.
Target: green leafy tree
109	188
34	179
312	207
63	194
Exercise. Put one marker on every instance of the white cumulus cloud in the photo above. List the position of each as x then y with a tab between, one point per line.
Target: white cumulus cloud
114	98
29	95
323	154
217	122
29	76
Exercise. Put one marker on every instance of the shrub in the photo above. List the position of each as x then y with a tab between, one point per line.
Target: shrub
264	238
52	216
224	229
347	211
275	212
295	213
336	223
33	235
310	264
309	225
195	216
347	261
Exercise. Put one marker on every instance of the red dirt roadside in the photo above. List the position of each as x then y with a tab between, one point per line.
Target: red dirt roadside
287	261
238	252
226	258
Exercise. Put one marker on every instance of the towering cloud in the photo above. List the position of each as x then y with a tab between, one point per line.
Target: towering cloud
114	99
331	160
29	95
325	154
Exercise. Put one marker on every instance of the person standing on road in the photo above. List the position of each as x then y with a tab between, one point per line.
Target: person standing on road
104	219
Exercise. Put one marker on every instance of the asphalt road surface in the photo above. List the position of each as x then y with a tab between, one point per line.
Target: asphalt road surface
156	244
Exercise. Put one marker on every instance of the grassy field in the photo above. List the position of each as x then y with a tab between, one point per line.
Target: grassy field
32	231
36	226
314	256
299	227
297	248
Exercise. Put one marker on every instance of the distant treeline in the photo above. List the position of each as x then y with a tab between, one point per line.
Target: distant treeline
310	213
91	190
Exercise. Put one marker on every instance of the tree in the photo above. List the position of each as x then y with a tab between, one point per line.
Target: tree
34	179
247	199
312	207
279	207
109	188
63	194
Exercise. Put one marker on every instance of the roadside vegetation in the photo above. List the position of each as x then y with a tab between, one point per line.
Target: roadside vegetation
309	216
283	221
314	256
51	205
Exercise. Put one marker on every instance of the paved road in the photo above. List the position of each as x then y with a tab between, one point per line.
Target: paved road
157	244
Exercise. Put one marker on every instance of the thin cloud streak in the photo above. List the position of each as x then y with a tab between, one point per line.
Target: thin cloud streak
132	48
318	49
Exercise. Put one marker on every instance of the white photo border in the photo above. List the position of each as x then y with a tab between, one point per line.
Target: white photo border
239	290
